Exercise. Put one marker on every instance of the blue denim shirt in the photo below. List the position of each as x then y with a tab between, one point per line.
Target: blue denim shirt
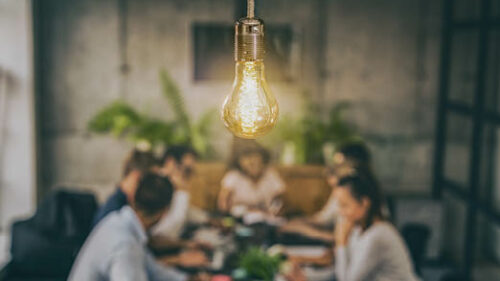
116	250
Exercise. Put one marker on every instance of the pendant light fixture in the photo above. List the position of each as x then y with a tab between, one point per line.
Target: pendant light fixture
250	110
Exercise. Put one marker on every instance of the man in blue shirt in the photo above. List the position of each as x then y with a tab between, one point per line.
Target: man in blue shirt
137	164
116	250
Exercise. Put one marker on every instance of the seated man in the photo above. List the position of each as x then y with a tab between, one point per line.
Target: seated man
178	164
116	249
137	164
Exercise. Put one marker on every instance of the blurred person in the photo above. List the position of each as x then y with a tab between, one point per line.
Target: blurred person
367	246
116	249
178	164
345	160
250	182
137	163
347	157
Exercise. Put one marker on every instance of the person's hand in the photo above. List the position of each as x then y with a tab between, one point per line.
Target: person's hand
202	276
224	200
193	258
275	206
295	273
342	231
222	204
198	245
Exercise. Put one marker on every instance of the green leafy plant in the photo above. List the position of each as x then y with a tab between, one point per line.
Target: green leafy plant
123	121
196	134
309	132
333	129
288	132
258	264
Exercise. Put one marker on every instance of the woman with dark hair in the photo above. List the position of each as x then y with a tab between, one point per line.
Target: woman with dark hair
344	162
250	182
367	246
347	157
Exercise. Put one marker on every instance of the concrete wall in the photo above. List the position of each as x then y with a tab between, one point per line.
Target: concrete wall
381	55
17	154
384	57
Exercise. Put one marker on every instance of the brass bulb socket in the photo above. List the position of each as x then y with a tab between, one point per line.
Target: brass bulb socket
249	40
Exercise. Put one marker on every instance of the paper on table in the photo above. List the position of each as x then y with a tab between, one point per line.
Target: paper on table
211	236
306	251
257	217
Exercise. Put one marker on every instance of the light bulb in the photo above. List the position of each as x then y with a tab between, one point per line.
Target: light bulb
250	110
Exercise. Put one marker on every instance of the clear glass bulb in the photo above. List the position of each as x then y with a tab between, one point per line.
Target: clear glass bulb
250	110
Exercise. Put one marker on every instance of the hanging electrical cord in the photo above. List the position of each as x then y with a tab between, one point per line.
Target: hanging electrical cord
250	9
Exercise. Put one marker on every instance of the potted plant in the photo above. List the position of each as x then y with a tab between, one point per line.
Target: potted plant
121	120
324	135
257	264
309	137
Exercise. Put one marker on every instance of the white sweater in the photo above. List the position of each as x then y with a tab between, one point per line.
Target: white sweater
172	224
377	254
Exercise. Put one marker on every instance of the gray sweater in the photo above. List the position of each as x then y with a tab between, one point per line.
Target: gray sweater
377	254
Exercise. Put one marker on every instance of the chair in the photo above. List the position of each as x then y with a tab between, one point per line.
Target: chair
416	236
44	246
453	277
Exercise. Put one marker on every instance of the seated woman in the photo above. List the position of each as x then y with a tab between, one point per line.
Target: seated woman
367	246
250	183
347	157
319	225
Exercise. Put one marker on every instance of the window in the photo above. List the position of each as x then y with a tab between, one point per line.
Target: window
467	155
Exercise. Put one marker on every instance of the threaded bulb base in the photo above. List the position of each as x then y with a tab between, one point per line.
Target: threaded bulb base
249	40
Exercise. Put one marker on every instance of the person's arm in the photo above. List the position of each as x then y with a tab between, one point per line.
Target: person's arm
327	215
314	233
191	258
303	228
277	188
127	264
224	199
158	272
358	266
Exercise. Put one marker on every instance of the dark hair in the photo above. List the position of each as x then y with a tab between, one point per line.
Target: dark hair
139	160
356	152
154	193
363	184
237	153
177	152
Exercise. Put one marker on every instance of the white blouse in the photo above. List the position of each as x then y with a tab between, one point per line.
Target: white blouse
246	192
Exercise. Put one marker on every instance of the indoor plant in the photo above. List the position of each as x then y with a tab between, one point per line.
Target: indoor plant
121	120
